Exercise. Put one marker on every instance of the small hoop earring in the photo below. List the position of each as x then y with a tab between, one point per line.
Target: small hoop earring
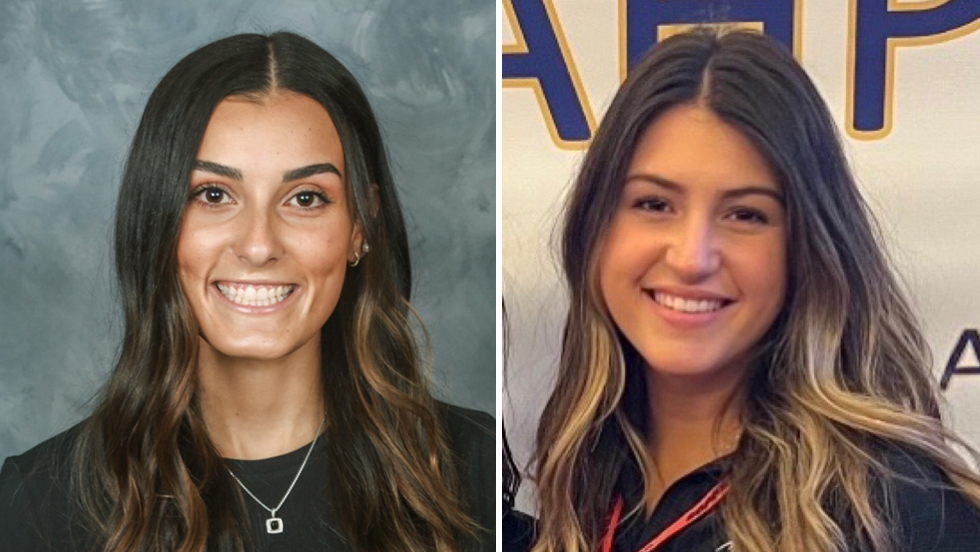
357	260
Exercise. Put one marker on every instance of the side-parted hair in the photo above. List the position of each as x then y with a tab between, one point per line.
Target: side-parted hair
147	476
841	379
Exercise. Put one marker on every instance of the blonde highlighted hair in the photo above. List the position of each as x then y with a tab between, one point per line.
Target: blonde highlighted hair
841	380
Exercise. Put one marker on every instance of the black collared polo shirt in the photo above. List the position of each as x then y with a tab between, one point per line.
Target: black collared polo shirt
932	516
704	535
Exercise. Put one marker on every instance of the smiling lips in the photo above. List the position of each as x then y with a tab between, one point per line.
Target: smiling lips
691	306
251	295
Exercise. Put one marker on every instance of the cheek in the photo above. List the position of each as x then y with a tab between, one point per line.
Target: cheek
321	249
626	256
188	258
195	247
192	270
608	273
613	258
764	272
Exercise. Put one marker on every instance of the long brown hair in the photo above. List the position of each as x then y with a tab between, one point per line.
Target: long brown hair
843	374
146	475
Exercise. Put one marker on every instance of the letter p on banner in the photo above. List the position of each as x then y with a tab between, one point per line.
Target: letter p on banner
876	29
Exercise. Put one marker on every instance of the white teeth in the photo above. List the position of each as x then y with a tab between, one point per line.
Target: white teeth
686	305
252	296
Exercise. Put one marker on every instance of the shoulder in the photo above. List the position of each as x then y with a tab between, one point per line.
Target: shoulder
518	531
47	462
932	513
471	439
34	495
466	427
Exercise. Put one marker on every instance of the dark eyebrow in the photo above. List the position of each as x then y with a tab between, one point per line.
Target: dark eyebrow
728	194
310	170
289	176
218	169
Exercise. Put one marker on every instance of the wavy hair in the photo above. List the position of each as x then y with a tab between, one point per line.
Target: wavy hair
842	376
146	474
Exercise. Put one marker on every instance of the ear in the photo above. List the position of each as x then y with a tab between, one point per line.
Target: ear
355	250
357	242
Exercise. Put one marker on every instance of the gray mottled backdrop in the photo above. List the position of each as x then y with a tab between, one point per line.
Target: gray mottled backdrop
74	77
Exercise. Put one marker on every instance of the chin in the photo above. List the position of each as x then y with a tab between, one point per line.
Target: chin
683	370
695	364
250	350
253	354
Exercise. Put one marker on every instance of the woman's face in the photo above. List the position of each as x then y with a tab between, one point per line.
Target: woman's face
267	231
693	266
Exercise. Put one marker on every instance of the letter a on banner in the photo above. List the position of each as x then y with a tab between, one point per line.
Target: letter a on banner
970	338
541	61
876	28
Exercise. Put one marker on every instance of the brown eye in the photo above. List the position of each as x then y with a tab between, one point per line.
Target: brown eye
750	216
214	195
309	199
652	204
211	196
305	199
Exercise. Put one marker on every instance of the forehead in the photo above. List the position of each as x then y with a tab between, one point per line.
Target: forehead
279	131
689	144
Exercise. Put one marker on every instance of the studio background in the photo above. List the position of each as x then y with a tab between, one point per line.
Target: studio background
74	78
919	173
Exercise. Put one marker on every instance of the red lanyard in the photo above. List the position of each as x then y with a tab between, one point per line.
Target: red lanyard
705	505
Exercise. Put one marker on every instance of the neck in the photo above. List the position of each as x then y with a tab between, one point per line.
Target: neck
258	409
692	420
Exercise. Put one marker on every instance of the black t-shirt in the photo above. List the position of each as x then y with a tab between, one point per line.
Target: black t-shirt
931	516
35	512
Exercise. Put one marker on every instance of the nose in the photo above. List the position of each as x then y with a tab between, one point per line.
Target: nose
693	252
257	237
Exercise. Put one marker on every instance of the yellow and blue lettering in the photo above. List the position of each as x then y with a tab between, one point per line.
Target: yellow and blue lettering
876	28
643	23
540	60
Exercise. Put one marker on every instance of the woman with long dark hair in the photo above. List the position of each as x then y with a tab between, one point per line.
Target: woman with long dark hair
269	392
740	368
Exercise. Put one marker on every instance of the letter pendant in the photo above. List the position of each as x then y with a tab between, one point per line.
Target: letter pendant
273	525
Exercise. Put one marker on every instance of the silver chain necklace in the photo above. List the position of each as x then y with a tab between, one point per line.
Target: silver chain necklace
273	524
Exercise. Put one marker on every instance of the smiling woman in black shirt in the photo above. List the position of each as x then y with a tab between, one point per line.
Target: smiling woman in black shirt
740	367
269	393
